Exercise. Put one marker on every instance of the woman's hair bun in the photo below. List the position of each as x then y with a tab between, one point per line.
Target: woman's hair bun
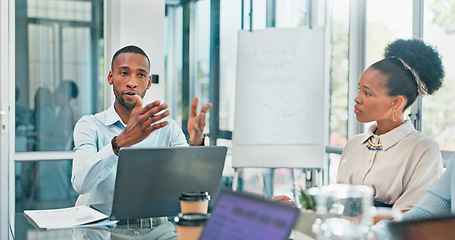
423	58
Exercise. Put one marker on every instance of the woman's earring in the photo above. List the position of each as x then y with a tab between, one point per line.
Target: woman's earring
394	114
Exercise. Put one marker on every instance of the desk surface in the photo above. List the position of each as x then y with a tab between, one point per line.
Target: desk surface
25	230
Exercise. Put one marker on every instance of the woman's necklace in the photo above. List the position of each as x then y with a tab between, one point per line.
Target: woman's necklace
373	146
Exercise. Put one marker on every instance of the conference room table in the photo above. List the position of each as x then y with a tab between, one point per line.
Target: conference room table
25	229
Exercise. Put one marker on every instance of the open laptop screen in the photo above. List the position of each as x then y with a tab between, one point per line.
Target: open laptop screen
246	216
149	181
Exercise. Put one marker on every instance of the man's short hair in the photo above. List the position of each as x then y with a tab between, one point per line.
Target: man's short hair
130	49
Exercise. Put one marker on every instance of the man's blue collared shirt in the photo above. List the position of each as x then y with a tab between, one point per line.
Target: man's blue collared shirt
95	164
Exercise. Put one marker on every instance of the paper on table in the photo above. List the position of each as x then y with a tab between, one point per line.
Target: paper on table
65	217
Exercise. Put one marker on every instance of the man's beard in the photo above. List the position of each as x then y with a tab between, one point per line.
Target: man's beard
119	97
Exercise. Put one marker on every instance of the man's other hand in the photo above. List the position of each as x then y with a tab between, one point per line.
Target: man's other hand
196	123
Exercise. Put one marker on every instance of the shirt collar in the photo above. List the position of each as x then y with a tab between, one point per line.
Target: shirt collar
112	116
392	137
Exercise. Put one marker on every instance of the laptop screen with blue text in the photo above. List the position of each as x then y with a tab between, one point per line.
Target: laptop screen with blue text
246	216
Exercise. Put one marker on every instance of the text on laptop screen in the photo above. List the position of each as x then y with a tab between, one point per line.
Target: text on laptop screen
238	216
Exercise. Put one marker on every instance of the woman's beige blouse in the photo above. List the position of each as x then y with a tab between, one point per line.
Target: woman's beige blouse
400	174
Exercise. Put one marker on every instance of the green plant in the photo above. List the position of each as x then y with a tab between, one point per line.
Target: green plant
307	200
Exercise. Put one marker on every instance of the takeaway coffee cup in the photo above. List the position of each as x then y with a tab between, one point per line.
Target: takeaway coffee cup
194	202
190	225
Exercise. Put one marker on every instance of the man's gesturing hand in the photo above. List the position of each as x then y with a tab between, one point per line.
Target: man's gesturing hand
142	122
196	123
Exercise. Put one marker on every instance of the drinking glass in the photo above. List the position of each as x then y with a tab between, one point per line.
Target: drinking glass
346	212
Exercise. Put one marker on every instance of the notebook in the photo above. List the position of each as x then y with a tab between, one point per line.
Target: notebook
419	229
149	181
247	216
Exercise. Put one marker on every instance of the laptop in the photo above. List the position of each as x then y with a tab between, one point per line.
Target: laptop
149	181
419	229
247	216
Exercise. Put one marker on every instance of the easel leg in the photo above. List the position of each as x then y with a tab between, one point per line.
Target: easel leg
269	175
237	182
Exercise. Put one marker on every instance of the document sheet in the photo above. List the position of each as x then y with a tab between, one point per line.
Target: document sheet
65	217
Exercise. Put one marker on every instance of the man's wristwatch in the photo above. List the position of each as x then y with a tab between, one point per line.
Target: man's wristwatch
115	147
203	141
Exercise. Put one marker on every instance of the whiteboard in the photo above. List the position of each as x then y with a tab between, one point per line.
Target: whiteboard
280	98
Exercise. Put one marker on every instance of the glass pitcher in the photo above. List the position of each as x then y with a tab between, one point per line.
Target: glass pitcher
346	212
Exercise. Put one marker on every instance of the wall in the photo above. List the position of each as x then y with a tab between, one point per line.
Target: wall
5	114
140	23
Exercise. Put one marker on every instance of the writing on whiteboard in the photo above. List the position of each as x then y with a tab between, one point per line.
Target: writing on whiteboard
280	88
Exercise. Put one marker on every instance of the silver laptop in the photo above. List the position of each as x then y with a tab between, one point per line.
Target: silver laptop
149	181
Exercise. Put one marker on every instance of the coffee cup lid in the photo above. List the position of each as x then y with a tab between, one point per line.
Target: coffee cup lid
191	219
194	196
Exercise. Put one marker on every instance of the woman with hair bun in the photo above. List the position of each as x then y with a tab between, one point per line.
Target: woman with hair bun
399	162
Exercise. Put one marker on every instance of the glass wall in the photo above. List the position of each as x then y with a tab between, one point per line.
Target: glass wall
291	13
339	66
201	59
258	13
438	114
230	24
59	78
173	60
385	24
